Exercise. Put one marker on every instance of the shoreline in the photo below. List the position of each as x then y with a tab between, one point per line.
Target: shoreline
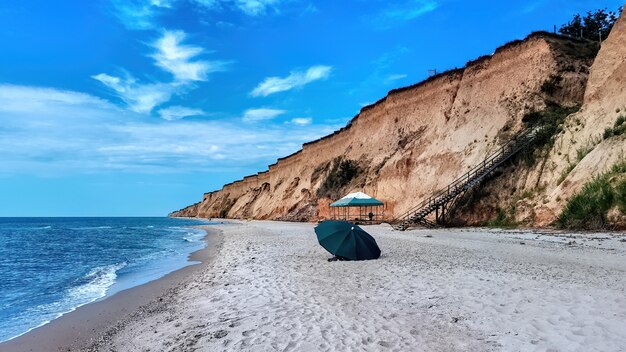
80	328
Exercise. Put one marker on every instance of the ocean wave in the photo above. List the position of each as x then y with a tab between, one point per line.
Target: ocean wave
194	236
92	227
95	284
92	287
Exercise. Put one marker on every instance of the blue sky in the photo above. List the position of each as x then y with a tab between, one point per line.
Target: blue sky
137	107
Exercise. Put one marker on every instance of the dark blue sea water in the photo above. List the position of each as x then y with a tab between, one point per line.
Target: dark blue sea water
51	266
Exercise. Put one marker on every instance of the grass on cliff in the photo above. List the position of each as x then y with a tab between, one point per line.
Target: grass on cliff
588	209
619	128
581	153
340	175
504	219
551	121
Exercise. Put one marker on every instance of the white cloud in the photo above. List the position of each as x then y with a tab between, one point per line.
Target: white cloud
162	3
302	121
47	131
178	112
395	77
402	12
248	7
139	14
141	98
143	14
254	115
172	57
255	7
295	79
224	24
176	58
20	99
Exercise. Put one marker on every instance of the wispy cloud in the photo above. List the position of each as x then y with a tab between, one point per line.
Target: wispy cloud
140	98
256	7
176	58
178	112
295	79
143	14
255	115
248	7
402	12
302	121
50	131
138	14
172	56
394	77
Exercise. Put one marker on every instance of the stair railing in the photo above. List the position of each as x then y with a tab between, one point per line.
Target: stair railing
478	172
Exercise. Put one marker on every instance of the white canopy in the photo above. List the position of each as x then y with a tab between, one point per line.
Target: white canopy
357	195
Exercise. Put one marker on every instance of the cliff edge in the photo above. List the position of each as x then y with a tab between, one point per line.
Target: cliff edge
417	138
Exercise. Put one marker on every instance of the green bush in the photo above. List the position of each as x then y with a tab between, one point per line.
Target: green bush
551	119
619	168
582	152
591	25
503	219
618	129
621	196
588	209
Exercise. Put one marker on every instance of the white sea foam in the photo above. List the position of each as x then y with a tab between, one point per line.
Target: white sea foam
98	281
194	236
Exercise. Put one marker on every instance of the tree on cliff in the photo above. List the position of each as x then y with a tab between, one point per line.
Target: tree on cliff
591	25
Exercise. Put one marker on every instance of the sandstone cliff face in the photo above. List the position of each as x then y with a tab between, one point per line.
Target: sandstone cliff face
417	139
605	100
536	195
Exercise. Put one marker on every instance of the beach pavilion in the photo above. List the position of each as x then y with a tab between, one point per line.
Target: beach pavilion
358	208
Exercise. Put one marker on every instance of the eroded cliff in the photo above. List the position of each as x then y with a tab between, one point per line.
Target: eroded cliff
417	138
536	194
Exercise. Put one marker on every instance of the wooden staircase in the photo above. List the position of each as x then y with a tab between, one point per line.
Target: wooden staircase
442	200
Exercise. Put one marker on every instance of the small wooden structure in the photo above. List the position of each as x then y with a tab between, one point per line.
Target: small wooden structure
358	208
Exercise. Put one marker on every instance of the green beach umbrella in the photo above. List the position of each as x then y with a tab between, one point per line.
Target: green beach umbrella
346	240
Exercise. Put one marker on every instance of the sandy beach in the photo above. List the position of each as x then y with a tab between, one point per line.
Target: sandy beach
271	288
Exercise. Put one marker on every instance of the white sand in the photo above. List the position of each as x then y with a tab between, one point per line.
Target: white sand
272	289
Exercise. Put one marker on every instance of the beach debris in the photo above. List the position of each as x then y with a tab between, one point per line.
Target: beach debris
346	241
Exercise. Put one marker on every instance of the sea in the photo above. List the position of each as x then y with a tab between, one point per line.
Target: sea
51	266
